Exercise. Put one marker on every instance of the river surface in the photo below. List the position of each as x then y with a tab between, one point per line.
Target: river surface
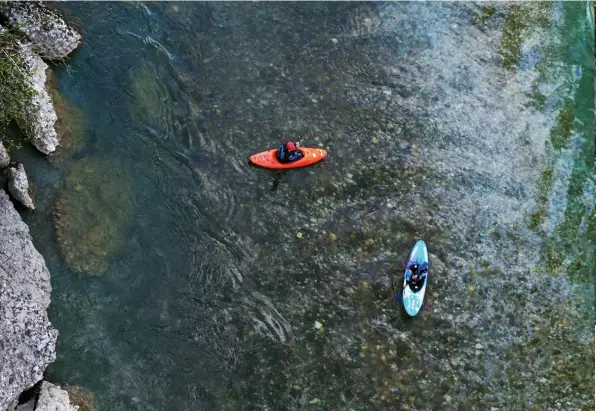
184	278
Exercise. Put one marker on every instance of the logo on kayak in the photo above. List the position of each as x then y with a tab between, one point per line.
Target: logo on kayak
414	303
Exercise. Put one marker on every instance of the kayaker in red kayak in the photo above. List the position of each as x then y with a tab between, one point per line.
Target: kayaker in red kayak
288	152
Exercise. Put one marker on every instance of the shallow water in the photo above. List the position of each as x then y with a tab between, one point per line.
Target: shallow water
187	285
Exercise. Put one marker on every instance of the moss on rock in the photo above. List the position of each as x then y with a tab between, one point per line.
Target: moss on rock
15	88
520	20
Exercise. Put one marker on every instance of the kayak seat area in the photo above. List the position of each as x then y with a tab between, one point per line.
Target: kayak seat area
417	285
300	152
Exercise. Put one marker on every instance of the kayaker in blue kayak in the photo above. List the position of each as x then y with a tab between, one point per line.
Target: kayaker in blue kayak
417	275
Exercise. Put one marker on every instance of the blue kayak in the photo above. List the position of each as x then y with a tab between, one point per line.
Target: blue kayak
413	294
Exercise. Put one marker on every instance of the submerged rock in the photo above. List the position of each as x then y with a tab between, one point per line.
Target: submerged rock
84	400
18	186
91	213
149	97
4	157
70	125
53	398
27	338
50	36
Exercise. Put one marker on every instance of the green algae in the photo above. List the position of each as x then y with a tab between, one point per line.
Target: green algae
562	131
536	99
512	40
521	19
485	13
557	348
544	185
15	90
91	214
569	249
568	252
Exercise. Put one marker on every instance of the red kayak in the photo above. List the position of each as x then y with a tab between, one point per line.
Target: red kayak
268	159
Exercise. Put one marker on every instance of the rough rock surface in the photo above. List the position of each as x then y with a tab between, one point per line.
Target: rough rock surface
18	186
4	157
28	406
53	398
27	338
40	109
50	36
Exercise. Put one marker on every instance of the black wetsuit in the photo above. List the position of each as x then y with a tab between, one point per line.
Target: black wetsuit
285	156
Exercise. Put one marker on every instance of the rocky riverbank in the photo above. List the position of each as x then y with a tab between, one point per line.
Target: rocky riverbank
29	34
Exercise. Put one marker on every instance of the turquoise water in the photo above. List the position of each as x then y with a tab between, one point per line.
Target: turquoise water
188	279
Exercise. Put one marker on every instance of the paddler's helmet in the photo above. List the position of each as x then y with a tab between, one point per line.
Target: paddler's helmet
414	267
290	146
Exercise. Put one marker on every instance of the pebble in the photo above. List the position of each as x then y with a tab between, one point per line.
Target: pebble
318	325
332	236
334	40
375	140
299	235
368	21
349	175
478	346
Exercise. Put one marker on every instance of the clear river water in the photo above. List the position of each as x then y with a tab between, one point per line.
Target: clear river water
186	279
